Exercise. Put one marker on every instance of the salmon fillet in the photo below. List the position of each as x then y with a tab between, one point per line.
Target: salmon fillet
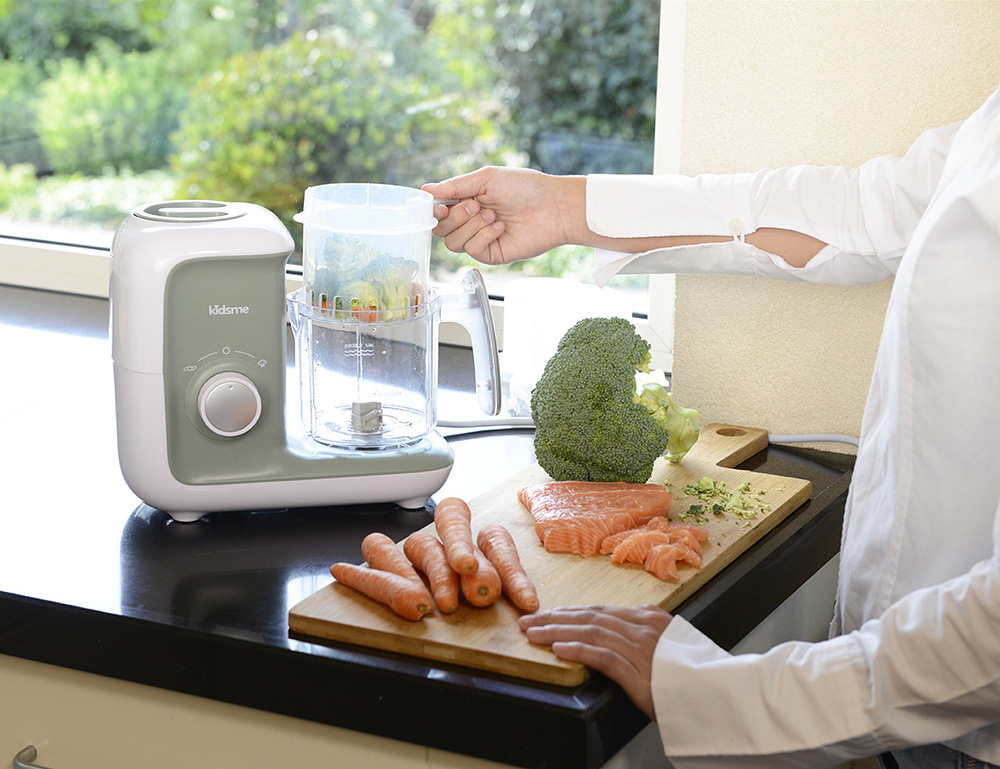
577	516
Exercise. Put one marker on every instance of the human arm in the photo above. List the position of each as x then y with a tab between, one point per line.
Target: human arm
508	214
772	223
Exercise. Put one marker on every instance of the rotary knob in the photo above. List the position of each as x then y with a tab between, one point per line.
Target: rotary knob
229	404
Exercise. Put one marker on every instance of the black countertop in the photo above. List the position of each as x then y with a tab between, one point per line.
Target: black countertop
94	580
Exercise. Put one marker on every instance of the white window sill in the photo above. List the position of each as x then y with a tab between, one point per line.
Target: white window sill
55	267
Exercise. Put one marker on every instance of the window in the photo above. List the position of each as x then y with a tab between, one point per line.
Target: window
108	104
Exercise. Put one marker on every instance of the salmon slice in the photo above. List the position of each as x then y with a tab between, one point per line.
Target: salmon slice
700	533
685	555
686	538
691	535
609	543
636	547
576	516
661	562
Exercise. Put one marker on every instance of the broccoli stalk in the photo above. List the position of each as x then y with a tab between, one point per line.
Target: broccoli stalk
682	423
590	423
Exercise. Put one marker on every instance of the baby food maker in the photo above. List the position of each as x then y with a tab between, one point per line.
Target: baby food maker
198	325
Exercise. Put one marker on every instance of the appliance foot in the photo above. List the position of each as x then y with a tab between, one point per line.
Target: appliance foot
413	503
185	517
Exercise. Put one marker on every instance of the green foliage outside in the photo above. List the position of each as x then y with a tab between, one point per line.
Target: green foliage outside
103	199
16	181
19	143
325	107
91	114
113	101
40	31
581	80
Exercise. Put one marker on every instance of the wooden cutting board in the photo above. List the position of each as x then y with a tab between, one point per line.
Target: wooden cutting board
489	639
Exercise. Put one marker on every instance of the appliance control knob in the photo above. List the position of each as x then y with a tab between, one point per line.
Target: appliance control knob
229	404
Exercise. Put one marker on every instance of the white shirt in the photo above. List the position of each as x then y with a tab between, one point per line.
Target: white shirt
917	658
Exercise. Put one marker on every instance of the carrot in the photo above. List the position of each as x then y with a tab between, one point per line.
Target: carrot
381	553
498	546
428	555
453	521
484	587
398	593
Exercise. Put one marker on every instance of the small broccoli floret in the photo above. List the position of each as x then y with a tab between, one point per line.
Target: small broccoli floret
589	423
682	423
360	300
394	279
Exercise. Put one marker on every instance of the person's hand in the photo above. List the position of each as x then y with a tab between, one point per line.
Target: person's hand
614	640
507	214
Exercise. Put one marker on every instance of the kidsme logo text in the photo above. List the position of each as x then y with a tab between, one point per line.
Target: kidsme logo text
227	309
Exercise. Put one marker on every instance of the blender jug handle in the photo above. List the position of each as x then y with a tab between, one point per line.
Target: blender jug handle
471	308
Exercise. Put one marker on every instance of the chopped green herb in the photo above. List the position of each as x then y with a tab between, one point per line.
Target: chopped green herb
713	495
696	511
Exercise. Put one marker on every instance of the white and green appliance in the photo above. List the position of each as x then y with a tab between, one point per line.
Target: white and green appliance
198	326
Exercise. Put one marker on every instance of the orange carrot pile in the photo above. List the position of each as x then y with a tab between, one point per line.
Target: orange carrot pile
455	565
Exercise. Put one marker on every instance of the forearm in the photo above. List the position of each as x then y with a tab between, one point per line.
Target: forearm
796	248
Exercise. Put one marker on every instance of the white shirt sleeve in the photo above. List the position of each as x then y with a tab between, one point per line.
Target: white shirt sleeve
867	215
910	677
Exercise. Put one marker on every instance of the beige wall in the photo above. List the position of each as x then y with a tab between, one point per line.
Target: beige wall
769	83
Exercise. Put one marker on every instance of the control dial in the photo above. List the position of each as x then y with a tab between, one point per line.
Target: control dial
229	404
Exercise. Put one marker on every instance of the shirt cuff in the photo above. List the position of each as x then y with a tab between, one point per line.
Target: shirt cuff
621	206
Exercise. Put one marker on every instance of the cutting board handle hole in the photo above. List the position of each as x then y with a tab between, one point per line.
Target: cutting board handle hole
731	432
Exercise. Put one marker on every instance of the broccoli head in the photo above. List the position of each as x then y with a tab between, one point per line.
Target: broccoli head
590	424
347	256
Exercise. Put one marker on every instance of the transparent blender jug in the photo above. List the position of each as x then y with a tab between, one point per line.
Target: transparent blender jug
366	322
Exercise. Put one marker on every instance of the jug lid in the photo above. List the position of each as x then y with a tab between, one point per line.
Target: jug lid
368	208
